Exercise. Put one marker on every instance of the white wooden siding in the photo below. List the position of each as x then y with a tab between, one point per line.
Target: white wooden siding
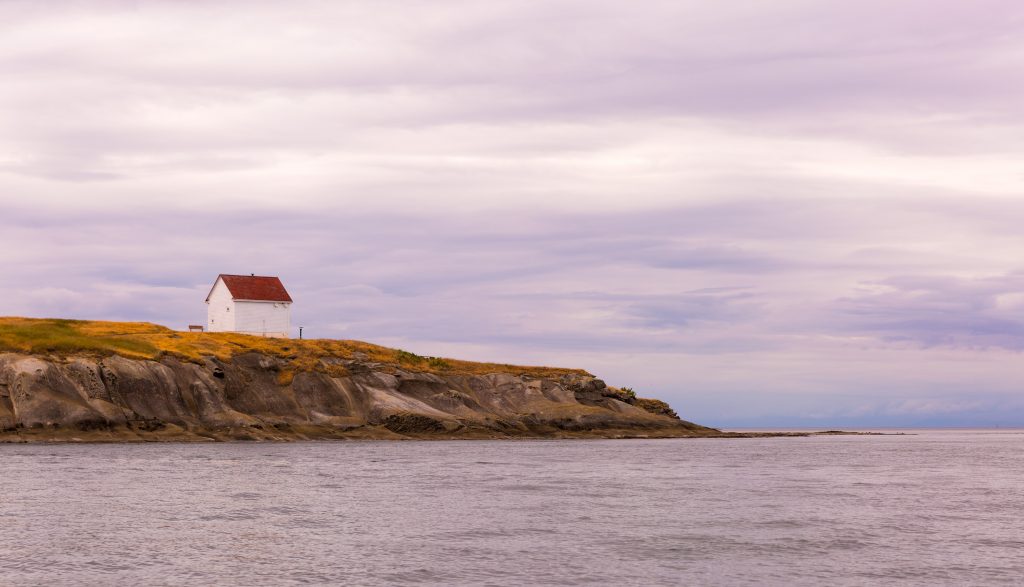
263	318
219	314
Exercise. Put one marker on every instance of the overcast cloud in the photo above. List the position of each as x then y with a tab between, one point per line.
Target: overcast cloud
791	213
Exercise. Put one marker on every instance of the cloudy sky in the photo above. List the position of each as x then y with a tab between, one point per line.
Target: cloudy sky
792	213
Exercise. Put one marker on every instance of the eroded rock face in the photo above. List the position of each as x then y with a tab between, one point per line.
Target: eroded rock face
249	393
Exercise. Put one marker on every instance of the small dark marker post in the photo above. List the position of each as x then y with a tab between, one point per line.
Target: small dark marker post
300	333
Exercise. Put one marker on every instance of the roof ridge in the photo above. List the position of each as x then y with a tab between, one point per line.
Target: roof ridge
252	287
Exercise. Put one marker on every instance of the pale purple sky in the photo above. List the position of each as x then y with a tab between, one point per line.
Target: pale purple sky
791	213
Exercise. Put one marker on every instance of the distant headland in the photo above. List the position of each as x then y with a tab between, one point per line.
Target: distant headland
89	381
68	380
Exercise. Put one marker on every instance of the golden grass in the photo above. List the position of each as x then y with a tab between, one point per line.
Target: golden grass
143	340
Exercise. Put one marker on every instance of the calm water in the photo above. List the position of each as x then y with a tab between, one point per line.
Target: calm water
935	508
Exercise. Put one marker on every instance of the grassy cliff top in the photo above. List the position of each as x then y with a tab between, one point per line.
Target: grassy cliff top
143	340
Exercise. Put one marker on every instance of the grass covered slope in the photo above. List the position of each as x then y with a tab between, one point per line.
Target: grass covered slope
132	381
143	340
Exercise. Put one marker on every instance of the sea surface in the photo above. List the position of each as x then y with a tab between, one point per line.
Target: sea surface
925	508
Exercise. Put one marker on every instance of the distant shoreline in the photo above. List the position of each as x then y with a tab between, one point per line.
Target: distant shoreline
176	435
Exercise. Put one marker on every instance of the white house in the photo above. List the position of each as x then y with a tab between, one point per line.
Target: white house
250	304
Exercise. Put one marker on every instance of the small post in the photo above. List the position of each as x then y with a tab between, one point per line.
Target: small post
300	333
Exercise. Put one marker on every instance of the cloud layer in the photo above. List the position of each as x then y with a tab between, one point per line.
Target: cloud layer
807	213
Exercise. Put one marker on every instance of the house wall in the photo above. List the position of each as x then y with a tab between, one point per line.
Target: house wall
263	318
220	317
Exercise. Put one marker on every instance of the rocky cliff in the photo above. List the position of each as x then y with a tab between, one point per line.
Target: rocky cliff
259	389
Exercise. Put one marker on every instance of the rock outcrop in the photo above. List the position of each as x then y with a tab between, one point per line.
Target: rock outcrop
257	396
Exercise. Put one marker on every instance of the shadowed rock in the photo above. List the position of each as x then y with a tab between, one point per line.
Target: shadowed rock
250	397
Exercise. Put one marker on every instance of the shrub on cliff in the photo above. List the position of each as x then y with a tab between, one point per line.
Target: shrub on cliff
407	358
439	363
656	406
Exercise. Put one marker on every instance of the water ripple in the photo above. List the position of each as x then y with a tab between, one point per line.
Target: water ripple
938	508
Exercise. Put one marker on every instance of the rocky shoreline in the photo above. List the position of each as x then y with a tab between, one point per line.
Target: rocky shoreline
254	396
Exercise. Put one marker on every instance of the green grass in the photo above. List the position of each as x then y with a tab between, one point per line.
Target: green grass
65	337
143	340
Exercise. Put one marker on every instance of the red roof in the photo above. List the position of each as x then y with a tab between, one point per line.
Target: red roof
254	287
